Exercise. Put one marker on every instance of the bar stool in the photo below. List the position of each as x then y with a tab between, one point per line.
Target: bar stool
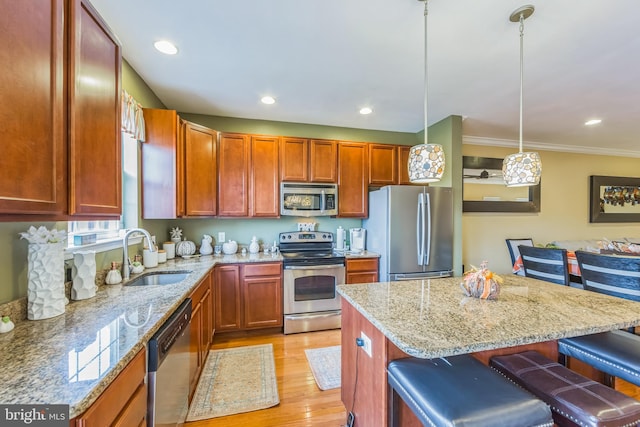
616	353
574	399
460	390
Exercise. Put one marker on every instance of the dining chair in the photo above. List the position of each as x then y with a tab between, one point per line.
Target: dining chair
548	264
514	252
615	353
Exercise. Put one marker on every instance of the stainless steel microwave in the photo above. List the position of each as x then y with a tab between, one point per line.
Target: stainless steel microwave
308	199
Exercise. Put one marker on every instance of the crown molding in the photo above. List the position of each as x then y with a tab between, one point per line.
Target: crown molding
600	151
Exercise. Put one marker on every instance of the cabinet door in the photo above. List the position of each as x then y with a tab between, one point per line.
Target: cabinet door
262	302
383	164
353	196
227	303
294	159
265	188
233	175
34	154
323	161
195	362
361	270
200	178
94	115
403	160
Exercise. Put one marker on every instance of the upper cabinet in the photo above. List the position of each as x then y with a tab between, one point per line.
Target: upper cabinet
403	161
264	189
383	164
60	103
178	167
308	160
353	172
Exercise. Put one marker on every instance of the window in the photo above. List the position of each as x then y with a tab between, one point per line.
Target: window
109	231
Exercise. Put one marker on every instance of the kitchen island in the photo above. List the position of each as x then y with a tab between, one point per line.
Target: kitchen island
433	318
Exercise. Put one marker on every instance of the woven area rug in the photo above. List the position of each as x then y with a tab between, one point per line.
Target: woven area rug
235	380
325	366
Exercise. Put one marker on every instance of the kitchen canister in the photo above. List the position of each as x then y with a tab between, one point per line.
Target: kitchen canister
162	256
149	259
170	249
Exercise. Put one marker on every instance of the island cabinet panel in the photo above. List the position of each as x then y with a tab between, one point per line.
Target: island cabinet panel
124	402
308	160
403	161
248	296
201	330
361	270
353	196
264	185
233	175
227	297
262	295
95	171
383	164
33	162
178	167
200	178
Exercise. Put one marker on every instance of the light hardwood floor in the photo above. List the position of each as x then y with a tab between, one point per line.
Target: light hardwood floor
302	403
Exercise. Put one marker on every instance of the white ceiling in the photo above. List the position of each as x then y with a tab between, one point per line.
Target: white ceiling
323	60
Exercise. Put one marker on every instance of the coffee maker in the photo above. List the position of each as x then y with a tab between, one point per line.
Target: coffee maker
357	239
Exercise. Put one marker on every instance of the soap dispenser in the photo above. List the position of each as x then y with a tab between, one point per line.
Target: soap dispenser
254	247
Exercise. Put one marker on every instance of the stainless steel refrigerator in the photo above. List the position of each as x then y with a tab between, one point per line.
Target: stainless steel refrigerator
411	227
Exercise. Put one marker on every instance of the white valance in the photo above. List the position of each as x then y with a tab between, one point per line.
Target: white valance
132	117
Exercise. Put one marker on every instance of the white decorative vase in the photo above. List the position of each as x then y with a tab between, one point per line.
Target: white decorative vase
45	292
84	279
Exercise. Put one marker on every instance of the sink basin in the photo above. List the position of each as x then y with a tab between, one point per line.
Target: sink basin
159	278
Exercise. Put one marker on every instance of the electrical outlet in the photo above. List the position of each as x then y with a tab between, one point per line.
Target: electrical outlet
221	237
367	343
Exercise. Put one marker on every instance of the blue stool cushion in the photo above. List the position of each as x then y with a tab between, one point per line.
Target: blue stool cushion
574	399
461	391
616	353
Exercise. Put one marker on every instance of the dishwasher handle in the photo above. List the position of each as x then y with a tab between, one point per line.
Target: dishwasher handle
161	342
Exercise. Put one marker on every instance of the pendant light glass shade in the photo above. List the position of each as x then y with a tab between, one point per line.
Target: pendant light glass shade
521	169
426	161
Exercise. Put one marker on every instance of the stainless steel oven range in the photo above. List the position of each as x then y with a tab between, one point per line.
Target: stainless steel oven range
311	274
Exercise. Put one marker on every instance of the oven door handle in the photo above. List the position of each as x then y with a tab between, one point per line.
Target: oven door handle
312	267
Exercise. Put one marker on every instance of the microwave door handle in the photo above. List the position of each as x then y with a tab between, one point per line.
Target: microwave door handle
322	201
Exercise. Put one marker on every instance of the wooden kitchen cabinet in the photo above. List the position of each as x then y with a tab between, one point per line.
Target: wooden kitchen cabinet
262	295
353	195
227	297
201	329
178	167
124	401
60	101
308	160
383	164
264	188
361	270
403	160
234	153
248	296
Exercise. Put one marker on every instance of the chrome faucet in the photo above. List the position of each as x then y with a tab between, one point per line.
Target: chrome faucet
126	262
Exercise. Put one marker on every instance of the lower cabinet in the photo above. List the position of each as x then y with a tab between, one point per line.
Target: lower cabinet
361	270
201	330
124	402
248	296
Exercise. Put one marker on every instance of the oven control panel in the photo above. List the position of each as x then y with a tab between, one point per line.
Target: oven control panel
306	236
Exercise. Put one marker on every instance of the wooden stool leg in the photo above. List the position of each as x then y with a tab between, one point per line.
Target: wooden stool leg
394	408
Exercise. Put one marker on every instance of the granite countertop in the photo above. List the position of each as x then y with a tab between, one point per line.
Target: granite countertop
72	358
433	318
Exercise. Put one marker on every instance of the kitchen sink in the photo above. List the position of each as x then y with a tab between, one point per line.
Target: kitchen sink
159	278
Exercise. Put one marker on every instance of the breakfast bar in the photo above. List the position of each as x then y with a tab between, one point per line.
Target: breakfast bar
433	318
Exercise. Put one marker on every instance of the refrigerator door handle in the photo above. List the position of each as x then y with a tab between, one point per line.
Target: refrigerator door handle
420	229
427	236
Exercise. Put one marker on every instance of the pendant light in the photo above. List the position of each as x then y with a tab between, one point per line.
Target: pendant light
521	169
426	161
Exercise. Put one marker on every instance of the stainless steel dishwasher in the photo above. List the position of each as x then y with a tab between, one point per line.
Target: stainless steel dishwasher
168	370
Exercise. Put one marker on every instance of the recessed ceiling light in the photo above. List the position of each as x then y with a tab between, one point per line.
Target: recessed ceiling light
592	122
366	110
166	47
268	100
